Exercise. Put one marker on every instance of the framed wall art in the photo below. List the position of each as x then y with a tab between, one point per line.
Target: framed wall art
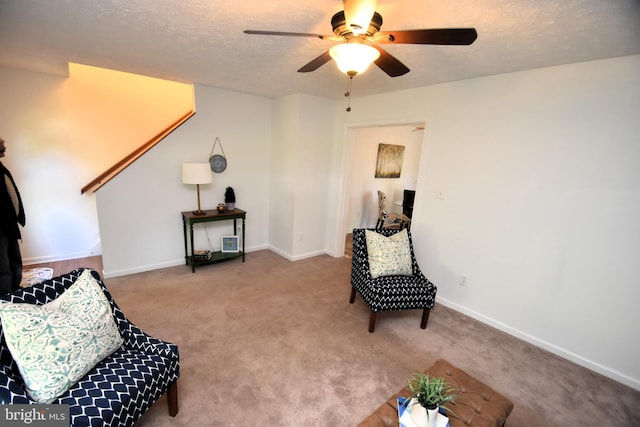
229	244
389	163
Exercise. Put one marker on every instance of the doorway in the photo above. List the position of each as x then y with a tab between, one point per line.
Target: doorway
360	201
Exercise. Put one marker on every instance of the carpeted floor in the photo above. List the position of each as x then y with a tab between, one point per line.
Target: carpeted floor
276	343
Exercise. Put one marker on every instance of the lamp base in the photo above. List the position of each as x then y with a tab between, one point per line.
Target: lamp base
199	212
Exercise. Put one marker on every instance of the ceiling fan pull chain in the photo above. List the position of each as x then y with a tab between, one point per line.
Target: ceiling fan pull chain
348	93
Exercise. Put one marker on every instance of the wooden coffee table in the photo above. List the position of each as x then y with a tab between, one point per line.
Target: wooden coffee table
477	404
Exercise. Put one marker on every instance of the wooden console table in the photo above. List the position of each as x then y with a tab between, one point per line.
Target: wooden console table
189	218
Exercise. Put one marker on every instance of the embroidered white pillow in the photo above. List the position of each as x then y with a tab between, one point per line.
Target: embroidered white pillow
56	344
389	256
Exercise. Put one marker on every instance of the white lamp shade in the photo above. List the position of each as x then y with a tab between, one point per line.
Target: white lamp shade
196	173
353	58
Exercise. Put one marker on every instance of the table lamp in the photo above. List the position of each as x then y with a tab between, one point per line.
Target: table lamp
197	173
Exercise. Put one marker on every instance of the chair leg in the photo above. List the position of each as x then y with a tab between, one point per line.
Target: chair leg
353	295
425	318
172	398
372	321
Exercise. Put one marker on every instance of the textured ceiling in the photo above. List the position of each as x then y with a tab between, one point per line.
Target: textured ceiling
202	41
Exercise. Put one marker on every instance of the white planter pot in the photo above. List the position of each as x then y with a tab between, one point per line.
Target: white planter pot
423	417
432	414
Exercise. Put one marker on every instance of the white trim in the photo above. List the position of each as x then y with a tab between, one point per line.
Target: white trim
297	257
142	269
55	258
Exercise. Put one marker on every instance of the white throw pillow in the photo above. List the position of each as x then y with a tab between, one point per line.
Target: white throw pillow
56	344
389	256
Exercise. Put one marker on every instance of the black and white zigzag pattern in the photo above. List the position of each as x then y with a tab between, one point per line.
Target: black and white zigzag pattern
389	293
120	388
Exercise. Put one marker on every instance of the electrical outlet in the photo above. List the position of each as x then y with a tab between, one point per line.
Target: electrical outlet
463	280
300	237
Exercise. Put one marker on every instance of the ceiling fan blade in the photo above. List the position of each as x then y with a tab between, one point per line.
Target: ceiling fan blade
444	36
358	14
390	64
316	63
284	33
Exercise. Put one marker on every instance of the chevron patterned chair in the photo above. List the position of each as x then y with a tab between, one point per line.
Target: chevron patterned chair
389	289
119	388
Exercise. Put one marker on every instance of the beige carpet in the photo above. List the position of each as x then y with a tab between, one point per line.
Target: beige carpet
275	343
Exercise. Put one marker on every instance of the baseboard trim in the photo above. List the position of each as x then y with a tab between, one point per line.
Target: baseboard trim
296	257
150	267
142	269
558	351
57	258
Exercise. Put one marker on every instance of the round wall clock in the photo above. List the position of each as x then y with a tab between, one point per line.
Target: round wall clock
218	163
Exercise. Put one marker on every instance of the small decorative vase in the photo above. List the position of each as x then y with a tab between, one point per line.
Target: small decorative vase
419	414
432	415
423	417
230	206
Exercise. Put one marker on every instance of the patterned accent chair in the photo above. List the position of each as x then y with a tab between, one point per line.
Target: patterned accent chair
119	389
388	219
389	293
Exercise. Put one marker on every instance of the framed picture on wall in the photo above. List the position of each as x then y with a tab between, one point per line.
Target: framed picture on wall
389	164
229	244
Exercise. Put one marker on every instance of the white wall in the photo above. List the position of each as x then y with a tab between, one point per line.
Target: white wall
286	117
278	164
363	185
539	173
139	211
60	222
62	132
303	132
313	163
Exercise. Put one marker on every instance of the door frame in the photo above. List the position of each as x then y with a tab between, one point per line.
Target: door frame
347	159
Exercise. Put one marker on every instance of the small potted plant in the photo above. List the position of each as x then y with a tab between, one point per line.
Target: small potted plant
230	198
428	395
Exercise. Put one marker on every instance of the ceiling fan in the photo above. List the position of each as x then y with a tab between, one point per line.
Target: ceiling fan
358	28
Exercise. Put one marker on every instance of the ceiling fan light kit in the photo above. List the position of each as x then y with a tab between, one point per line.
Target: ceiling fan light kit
353	58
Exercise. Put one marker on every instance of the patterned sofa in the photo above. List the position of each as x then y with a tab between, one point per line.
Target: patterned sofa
116	391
